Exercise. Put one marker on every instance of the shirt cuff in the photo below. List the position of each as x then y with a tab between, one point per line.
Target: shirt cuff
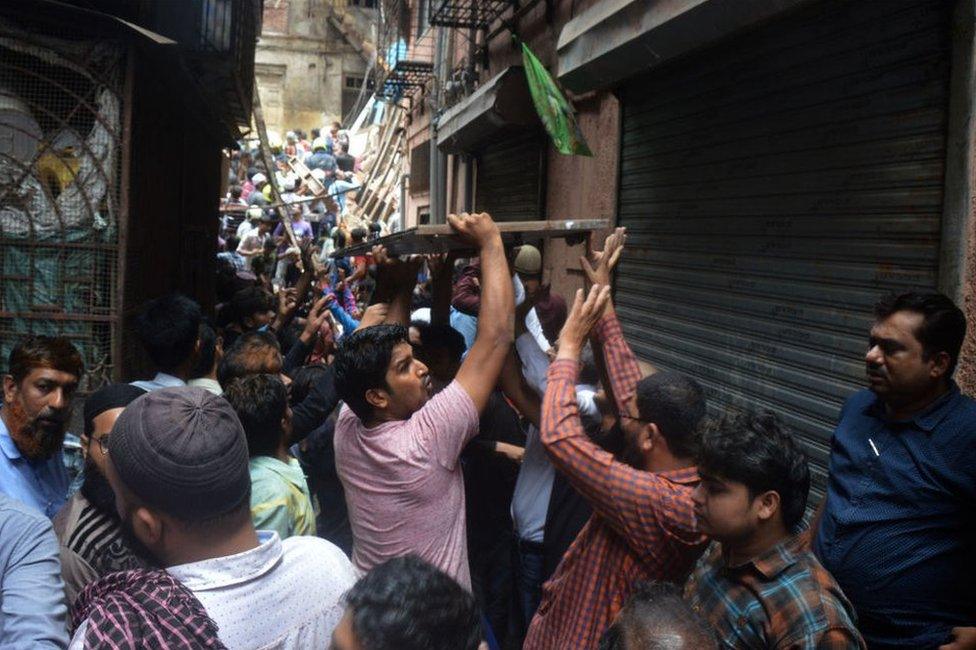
564	369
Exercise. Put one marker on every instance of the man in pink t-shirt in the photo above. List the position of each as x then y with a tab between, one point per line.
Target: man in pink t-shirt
397	448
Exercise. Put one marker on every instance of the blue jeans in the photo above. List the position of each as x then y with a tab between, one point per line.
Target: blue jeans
528	581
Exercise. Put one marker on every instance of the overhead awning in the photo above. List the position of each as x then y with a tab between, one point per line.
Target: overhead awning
500	103
616	39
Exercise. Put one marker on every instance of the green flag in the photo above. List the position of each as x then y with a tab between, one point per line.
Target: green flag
553	109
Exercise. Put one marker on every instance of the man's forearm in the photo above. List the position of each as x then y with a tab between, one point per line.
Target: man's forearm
495	315
619	360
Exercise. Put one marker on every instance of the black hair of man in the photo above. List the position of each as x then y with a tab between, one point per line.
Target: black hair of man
251	300
260	402
231	243
656	617
303	380
339	238
943	327
38	351
440	337
361	362
208	351
316	133
676	404
407	604
169	328
358	235
235	191
758	451
252	353
375	228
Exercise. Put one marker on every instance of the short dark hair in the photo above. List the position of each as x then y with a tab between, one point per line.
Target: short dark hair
316	133
38	351
235	191
169	328
252	353
440	337
758	451
249	301
943	326
407	604
361	362
653	615
358	234
676	404
208	351
260	402
231	243
303	380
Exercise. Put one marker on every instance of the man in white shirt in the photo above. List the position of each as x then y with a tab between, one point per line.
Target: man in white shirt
178	464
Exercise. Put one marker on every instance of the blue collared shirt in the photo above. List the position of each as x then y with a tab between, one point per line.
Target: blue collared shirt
899	525
40	484
32	608
161	380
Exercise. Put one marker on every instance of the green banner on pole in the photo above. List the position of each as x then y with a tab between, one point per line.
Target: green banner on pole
553	109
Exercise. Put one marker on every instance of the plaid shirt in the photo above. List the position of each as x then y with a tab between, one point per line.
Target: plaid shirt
783	599
643	524
141	608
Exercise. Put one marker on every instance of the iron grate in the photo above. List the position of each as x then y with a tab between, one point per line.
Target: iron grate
477	14
60	167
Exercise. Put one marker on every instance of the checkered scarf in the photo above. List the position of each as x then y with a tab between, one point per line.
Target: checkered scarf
143	608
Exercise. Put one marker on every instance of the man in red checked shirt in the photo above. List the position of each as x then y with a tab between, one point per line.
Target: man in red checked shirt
643	524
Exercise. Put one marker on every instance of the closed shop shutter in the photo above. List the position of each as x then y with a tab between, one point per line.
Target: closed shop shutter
510	179
773	188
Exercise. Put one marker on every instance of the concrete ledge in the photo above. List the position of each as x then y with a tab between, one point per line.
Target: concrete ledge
501	102
616	39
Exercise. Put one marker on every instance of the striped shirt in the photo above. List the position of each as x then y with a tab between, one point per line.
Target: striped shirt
643	525
782	599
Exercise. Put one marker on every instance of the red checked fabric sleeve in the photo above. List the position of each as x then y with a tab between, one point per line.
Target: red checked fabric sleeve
622	368
641	506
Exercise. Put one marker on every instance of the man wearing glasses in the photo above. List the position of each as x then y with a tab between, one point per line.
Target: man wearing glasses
643	524
88	528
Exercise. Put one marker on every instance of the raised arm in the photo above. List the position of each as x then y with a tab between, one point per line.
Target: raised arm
480	370
637	504
617	359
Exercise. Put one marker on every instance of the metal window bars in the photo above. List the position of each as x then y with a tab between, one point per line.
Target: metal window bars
405	63
476	14
61	141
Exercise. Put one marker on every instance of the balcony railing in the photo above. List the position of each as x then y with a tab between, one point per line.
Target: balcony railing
478	14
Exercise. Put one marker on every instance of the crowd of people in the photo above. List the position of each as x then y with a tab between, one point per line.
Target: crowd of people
379	453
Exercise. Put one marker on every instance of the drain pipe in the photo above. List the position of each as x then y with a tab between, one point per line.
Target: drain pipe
438	160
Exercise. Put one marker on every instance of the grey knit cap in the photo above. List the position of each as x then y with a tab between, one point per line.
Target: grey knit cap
182	450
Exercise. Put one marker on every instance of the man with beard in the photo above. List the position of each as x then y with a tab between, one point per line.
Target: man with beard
897	529
178	464
42	375
88	528
643	524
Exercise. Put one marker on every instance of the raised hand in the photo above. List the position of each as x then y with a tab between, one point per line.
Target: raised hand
317	316
585	313
375	314
599	267
476	230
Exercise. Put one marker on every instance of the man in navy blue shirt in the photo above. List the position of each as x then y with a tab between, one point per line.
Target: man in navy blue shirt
898	527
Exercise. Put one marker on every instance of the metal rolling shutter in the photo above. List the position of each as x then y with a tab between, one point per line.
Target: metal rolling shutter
773	188
510	181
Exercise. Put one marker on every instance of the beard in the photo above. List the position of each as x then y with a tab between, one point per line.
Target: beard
38	437
135	545
98	491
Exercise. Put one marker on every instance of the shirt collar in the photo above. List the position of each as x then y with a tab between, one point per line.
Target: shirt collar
231	570
169	381
7	444
774	561
928	419
683	476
